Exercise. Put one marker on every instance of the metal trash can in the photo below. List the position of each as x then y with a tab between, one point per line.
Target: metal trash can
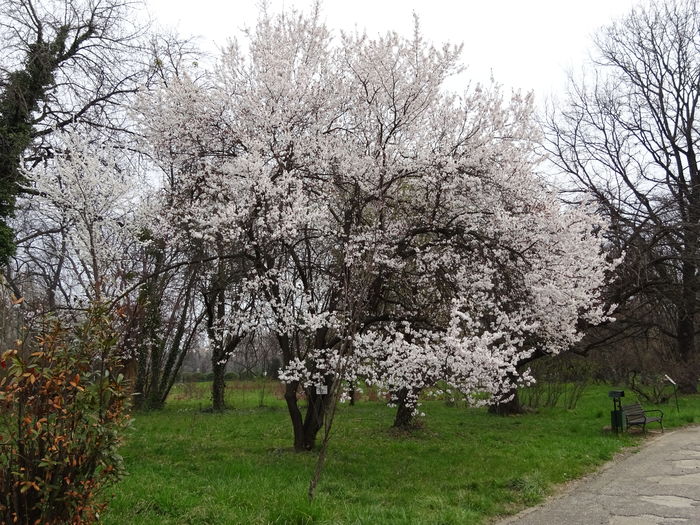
617	422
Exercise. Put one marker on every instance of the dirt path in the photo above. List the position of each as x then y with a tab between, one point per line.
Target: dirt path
658	485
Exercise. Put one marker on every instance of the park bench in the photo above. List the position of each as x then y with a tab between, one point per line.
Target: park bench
635	415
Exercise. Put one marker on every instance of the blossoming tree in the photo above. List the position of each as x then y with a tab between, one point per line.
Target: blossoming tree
386	228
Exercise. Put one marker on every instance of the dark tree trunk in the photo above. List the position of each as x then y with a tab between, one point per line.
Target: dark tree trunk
140	381
154	400
688	383
152	395
306	427
315	415
353	393
687	376
404	410
404	417
218	388
290	397
508	408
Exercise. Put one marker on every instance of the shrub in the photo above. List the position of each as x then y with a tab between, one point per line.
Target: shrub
62	412
649	387
562	377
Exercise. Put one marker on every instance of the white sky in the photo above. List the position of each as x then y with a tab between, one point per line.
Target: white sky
525	44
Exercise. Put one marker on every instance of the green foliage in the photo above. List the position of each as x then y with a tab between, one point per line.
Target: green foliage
63	412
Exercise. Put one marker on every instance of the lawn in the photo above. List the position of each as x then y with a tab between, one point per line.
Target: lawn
463	466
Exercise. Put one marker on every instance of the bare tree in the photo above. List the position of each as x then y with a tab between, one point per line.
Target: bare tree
628	138
62	64
162	324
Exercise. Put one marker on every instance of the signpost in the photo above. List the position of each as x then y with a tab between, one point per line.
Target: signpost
675	391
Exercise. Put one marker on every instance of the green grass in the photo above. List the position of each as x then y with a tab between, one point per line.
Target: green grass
463	466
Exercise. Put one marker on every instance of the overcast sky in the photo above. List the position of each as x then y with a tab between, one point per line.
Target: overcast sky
525	44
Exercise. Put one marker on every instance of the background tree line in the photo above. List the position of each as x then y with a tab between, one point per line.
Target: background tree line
626	138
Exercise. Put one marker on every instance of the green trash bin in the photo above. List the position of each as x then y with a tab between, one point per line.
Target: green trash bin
617	422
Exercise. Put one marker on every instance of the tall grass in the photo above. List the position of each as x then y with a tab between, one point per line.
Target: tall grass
463	466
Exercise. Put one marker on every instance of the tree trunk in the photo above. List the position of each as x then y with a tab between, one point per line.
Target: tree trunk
218	388
688	383
508	408
353	393
139	387
154	400
290	397
305	427
315	414
404	411
687	373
